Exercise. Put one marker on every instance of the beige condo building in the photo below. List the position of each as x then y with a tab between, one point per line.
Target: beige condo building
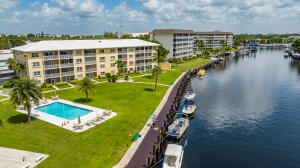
65	60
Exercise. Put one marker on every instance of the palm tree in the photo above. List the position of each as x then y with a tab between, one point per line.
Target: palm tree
156	71
86	85
161	54
200	44
26	90
15	66
120	66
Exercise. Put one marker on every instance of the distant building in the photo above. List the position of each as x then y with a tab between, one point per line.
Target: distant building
178	42
181	43
139	34
5	73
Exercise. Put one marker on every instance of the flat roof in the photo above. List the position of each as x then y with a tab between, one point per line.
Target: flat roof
182	31
54	45
171	31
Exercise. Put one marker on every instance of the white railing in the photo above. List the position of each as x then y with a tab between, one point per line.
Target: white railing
122	52
139	58
53	66
91	70
90	62
148	51
148	57
139	51
148	63
139	64
90	54
122	59
67	65
52	75
66	56
67	73
50	57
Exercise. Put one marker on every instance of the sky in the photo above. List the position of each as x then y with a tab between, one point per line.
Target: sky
127	16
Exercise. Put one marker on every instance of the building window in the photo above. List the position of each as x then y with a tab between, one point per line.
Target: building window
131	69
35	64
79	76
101	51
79	69
130	49
102	59
102	65
37	73
130	56
102	73
113	72
25	64
112	50
34	55
78	60
78	52
113	65
112	58
131	63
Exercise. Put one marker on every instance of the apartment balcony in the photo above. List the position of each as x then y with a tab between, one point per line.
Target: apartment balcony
90	54
122	59
67	65
148	63
91	70
67	73
139	58
67	56
53	66
90	62
122	52
52	75
50	57
139	51
148	57
139	64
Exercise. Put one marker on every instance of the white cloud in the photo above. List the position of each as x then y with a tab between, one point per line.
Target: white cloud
7	4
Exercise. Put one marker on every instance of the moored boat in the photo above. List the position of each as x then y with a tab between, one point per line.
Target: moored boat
189	109
201	72
178	128
190	95
173	156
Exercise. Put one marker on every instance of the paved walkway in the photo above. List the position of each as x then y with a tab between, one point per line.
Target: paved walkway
135	145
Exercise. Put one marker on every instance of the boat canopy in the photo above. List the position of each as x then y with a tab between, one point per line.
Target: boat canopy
173	150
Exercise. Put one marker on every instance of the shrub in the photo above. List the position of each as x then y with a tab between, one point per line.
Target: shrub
108	75
9	84
126	78
74	81
61	84
114	78
109	80
128	72
134	71
43	85
48	86
103	77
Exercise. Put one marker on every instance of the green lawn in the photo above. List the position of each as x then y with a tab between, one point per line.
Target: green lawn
63	86
101	146
2	97
47	89
191	64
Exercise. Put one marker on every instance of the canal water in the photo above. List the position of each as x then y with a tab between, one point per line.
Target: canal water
248	114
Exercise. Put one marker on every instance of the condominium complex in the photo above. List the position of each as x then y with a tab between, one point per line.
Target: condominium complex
66	60
181	43
5	73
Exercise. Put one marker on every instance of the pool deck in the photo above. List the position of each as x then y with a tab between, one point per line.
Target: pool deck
59	121
13	158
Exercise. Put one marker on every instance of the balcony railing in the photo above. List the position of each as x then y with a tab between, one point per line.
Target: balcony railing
67	65
139	58
148	51
90	54
148	63
52	75
50	57
67	73
67	56
90	62
53	66
122	52
91	70
122	59
139	64
148	57
139	51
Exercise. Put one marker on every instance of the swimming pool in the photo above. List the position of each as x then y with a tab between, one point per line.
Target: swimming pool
62	110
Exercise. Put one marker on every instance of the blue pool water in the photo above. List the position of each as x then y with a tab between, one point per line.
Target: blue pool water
62	110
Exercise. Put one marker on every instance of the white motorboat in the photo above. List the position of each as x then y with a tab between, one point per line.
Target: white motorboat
189	109
190	95
178	128
173	156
